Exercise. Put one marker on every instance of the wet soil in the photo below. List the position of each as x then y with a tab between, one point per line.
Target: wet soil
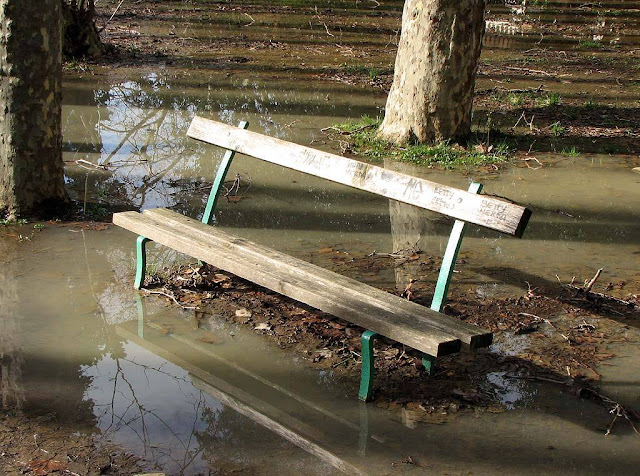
41	445
556	89
555	335
550	87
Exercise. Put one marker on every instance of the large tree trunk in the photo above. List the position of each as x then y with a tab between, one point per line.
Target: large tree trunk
31	169
434	78
81	37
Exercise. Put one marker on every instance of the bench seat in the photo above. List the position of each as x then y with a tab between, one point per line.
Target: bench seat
419	327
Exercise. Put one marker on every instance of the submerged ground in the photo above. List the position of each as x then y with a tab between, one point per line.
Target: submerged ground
99	379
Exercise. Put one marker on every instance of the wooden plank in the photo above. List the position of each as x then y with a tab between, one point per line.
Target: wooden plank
425	330
482	210
290	428
375	299
239	257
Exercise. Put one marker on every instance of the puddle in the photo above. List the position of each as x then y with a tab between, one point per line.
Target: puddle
75	340
79	348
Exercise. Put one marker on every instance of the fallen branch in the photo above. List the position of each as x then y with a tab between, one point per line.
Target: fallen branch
589	285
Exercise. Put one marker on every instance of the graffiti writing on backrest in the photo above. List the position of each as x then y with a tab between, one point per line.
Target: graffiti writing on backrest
494	209
443	198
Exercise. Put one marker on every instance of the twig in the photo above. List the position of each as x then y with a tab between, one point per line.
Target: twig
527	70
590	284
112	15
91	164
157	291
323	23
617	410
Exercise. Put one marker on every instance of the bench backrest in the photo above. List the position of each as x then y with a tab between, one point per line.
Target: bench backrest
485	211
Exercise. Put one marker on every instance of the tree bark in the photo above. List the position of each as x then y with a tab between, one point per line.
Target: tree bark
31	168
81	37
434	77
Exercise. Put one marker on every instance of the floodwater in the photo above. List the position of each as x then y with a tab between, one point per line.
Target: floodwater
78	340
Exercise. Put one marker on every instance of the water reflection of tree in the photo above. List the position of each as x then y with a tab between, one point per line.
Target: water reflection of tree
142	140
124	410
11	359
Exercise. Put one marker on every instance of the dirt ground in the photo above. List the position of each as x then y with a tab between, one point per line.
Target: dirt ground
41	445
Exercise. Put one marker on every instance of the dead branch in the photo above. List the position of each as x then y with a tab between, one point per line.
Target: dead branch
323	23
589	285
617	409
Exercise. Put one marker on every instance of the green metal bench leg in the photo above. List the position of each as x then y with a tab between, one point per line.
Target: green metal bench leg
368	365
450	257
141	261
429	363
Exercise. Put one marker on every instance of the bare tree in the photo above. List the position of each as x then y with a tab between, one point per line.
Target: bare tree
434	77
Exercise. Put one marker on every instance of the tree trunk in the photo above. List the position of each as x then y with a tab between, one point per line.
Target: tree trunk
81	37
31	169
434	77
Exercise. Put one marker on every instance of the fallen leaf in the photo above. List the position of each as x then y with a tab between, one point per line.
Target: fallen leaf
243	313
43	467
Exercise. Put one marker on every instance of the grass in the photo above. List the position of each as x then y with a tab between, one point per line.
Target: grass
590	44
515	99
19	221
557	129
573	152
362	69
552	99
362	139
591	103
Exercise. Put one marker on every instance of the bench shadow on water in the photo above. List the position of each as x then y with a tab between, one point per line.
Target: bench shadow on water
77	346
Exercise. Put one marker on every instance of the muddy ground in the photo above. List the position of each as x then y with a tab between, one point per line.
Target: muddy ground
562	336
41	445
543	84
562	92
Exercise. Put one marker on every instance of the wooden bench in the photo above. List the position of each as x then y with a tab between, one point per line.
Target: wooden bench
424	329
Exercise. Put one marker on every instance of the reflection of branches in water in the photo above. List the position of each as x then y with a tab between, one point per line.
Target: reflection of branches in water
123	388
144	137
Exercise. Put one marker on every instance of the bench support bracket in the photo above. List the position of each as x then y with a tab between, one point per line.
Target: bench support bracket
450	257
368	365
218	182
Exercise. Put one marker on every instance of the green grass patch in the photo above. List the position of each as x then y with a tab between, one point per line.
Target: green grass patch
551	99
557	129
19	221
594	44
591	103
515	99
362	139
572	152
362	69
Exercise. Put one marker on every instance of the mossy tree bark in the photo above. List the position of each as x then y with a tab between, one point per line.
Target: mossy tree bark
434	77
31	169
